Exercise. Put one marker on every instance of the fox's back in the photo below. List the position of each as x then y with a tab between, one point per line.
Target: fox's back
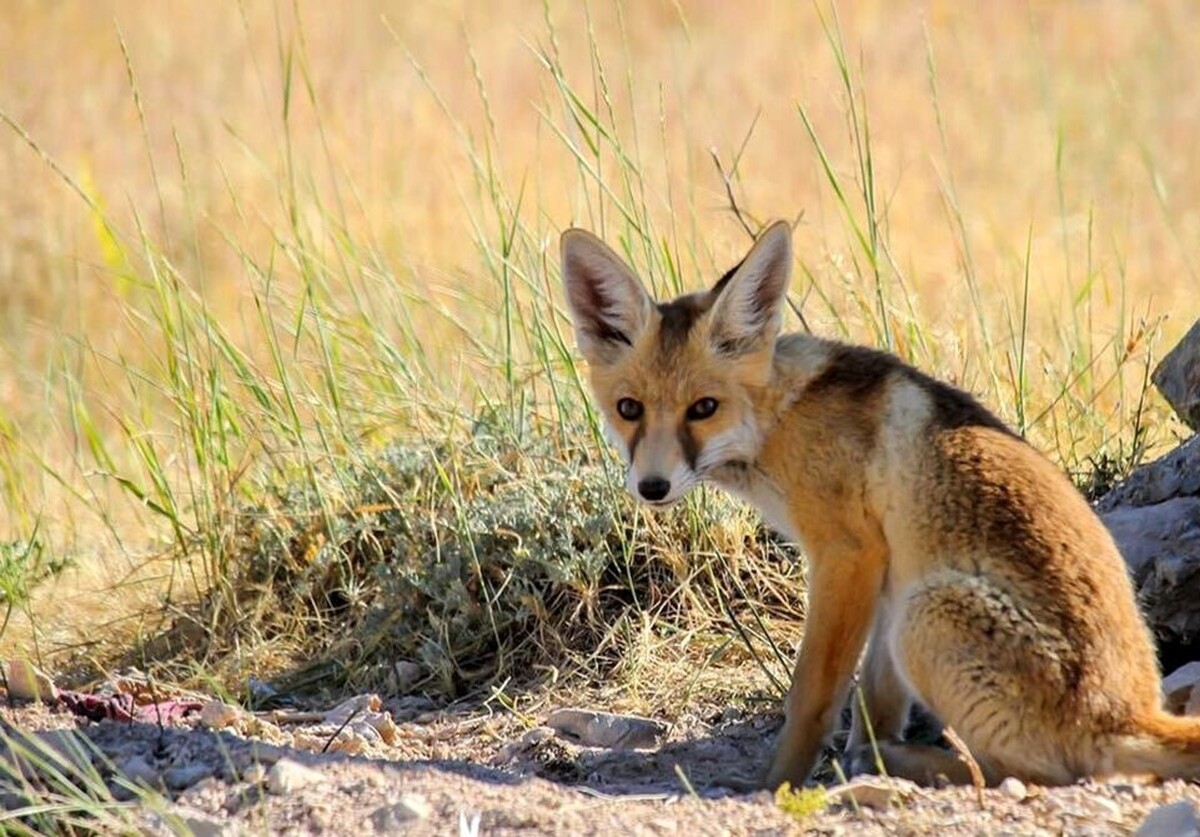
953	489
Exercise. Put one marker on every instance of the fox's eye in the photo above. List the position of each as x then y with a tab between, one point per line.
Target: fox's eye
702	409
629	409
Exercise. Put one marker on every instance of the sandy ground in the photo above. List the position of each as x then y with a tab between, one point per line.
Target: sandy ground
477	772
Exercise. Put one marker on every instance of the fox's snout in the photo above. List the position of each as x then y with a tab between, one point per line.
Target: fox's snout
653	489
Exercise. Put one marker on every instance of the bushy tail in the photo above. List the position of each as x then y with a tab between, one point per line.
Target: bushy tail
1165	745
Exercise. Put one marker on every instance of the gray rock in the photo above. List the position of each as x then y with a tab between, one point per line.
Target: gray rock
1177	474
390	819
1178	377
406	674
1178	819
1177	687
136	769
605	729
1014	788
874	791
287	775
1161	545
184	776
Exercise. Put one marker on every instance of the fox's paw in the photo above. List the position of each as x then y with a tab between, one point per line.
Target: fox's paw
865	759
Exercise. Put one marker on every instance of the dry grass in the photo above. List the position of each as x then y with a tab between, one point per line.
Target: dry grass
246	247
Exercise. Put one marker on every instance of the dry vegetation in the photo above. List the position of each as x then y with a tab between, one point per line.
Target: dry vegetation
282	344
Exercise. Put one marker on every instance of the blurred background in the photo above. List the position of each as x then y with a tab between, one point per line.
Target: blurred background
246	243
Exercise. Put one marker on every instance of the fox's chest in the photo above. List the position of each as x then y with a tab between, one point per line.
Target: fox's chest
750	486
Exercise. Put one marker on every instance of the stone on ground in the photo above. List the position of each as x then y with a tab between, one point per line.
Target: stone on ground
606	729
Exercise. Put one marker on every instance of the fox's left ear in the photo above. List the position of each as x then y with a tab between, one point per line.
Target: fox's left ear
747	313
609	306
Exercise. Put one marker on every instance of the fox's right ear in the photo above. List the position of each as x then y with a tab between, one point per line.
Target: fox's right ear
608	305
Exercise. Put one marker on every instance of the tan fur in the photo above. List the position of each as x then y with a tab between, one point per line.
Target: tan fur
988	589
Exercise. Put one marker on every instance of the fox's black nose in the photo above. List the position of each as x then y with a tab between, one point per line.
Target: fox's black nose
654	488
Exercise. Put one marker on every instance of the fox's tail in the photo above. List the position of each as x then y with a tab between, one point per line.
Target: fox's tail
1167	746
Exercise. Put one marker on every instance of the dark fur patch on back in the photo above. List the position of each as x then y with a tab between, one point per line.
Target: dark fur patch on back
861	373
856	370
953	408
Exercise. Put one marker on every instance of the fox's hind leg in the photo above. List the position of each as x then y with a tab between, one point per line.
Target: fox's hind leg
989	670
884	696
874	744
925	764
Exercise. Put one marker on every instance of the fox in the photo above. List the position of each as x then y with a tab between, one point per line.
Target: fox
955	562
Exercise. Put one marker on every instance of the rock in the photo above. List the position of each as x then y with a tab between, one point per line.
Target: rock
526	743
1177	819
183	820
1106	808
353	708
389	819
1177	377
1179	686
1161	546
405	675
1014	788
217	714
605	729
1176	474
255	774
183	776
137	770
288	775
27	683
874	791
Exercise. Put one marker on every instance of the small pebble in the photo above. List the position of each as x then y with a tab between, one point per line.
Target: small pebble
27	683
217	714
287	775
388	819
186	775
1014	788
255	774
137	769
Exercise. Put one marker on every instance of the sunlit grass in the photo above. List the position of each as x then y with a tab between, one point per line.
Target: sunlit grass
236	280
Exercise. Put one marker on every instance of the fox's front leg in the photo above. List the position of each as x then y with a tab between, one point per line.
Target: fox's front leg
843	591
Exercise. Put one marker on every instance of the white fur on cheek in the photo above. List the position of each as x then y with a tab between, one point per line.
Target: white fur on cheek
616	440
739	443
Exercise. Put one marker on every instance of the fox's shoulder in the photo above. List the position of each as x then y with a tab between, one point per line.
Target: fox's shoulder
812	368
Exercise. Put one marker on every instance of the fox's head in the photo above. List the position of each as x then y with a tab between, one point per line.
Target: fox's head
677	380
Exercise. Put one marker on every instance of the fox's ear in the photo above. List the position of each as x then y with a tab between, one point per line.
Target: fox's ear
608	305
747	313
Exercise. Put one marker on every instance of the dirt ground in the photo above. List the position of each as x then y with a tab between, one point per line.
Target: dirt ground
479	772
